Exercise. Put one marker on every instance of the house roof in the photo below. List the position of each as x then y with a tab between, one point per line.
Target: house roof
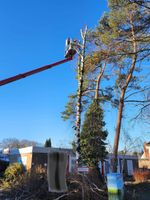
36	149
126	156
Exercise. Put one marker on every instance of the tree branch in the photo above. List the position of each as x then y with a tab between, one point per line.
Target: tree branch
136	101
147	88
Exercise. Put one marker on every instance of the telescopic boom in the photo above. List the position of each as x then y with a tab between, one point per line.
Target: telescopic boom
35	71
69	53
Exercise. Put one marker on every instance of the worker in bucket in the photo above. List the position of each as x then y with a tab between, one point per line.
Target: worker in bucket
70	48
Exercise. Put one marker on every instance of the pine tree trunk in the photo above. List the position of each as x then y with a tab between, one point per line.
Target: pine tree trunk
98	81
117	134
121	102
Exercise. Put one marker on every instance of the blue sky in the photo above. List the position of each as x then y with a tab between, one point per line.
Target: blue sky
33	33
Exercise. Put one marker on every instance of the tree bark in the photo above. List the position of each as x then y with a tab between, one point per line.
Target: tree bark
79	92
121	102
98	81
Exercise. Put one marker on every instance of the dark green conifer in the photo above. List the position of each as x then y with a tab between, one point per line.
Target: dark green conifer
48	143
93	136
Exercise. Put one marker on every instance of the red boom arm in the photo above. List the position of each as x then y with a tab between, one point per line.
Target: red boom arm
29	73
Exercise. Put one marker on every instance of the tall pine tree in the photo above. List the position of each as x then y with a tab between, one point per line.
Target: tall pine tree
124	32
